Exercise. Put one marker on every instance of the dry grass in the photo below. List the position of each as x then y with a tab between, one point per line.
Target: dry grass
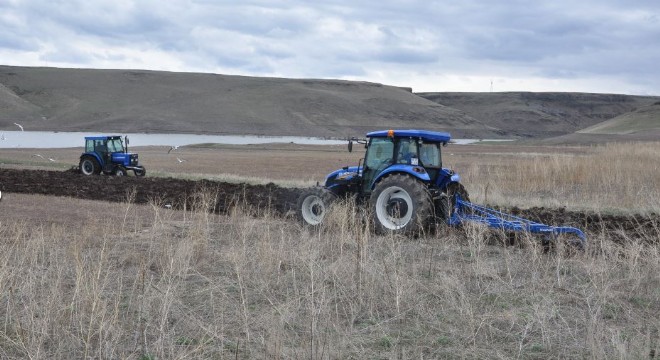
608	178
151	283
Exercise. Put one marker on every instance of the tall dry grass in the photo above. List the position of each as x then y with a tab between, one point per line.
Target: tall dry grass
239	286
610	177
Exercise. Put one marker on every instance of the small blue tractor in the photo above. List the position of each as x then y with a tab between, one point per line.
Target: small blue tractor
107	155
403	184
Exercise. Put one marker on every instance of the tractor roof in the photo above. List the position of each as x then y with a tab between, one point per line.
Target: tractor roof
431	136
102	137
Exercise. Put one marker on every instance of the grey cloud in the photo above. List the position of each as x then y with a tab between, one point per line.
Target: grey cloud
337	38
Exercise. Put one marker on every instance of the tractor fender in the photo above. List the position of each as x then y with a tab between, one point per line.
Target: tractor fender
415	171
95	156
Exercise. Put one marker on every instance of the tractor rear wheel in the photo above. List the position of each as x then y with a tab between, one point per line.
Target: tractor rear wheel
89	166
401	204
313	205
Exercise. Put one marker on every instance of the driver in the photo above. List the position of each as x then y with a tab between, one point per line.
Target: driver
407	152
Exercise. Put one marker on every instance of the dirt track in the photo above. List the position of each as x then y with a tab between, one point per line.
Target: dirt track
180	193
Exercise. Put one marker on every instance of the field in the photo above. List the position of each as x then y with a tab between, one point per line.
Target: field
130	278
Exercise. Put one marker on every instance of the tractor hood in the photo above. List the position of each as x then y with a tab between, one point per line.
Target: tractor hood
345	174
125	159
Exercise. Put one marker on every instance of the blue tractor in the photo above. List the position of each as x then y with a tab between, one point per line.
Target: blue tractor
406	188
107	155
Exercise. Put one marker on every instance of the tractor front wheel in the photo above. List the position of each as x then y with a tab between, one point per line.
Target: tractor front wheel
313	205
140	172
89	166
401	204
120	171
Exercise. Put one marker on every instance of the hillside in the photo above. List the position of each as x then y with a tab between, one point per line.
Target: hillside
527	114
167	102
643	120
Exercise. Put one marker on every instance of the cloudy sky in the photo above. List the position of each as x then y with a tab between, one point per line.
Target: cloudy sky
605	46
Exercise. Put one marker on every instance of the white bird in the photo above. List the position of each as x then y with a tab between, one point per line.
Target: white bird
38	155
52	160
181	160
173	147
19	125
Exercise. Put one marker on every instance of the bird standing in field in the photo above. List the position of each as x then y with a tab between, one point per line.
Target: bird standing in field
180	160
38	155
19	125
174	147
52	160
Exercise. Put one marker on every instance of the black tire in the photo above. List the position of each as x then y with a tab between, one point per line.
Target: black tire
89	166
401	204
140	172
313	204
120	171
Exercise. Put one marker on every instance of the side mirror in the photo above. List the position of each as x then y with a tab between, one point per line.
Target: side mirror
350	145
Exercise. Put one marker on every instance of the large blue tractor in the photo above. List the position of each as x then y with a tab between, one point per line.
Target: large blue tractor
107	155
404	185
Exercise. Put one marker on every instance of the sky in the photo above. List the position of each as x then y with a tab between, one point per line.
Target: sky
600	46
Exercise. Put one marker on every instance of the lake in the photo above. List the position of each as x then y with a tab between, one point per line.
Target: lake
50	140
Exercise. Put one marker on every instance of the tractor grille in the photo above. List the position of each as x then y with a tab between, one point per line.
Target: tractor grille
134	159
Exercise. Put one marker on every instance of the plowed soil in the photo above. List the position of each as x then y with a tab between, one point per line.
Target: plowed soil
178	193
222	197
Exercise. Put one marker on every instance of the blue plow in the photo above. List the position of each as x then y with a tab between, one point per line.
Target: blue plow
468	212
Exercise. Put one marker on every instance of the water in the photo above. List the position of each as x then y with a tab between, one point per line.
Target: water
51	140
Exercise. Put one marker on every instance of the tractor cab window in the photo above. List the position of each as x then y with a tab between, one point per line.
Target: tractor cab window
115	145
99	146
380	153
379	156
89	146
407	152
429	154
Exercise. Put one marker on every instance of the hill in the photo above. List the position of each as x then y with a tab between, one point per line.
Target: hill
643	120
168	102
528	114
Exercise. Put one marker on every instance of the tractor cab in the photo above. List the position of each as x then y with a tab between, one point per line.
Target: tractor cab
417	153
